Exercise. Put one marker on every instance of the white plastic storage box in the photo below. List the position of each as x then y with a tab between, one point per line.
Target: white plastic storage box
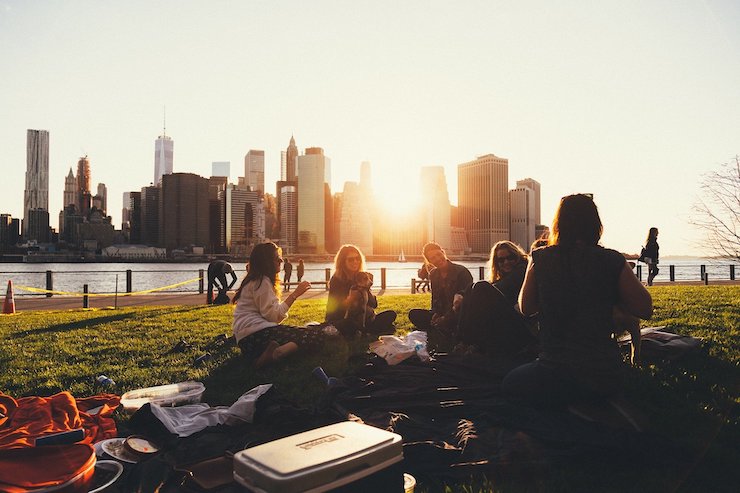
174	394
317	460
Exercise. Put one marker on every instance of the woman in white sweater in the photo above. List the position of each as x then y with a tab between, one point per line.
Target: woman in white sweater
259	311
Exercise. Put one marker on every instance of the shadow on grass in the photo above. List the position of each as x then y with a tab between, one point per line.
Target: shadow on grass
102	320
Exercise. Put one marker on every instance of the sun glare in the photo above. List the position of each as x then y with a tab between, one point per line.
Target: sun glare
395	197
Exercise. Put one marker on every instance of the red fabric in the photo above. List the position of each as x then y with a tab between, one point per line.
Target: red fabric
27	469
31	417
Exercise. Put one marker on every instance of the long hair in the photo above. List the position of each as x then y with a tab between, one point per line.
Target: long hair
340	261
262	264
576	221
652	235
513	249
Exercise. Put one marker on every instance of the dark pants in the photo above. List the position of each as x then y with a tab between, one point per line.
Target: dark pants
652	272
382	324
489	322
219	282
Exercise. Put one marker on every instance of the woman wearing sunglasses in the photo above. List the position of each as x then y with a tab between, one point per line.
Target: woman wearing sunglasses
489	322
348	262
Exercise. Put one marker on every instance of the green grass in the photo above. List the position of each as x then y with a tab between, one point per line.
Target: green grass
694	400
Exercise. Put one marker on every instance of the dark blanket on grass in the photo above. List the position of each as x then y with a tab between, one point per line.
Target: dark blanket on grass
451	415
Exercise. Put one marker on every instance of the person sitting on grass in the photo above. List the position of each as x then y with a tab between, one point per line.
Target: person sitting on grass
259	312
574	285
490	321
348	262
447	279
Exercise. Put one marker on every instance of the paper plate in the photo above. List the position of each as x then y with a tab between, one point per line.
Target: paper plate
107	472
116	449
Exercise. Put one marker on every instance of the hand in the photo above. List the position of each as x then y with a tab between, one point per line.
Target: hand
302	287
457	302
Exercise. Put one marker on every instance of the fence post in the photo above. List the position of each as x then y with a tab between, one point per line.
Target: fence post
327	275
129	284
200	281
706	279
672	272
703	271
49	283
481	274
732	272
85	298
382	278
639	272
413	285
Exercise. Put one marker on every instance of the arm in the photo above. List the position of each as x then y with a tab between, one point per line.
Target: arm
528	298
233	280
268	304
634	298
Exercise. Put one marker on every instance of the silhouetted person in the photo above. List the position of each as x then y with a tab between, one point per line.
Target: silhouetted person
288	269
217	271
300	269
650	255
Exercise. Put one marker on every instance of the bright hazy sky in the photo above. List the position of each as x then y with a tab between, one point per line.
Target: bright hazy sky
631	100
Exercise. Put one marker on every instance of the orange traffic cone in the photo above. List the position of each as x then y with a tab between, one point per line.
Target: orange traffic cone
9	305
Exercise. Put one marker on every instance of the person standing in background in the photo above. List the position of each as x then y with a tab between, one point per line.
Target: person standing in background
217	271
288	268
301	269
650	256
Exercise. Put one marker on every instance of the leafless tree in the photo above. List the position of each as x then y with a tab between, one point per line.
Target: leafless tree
717	211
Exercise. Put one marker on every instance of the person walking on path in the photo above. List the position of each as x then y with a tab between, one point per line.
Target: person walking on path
650	255
301	268
288	268
217	271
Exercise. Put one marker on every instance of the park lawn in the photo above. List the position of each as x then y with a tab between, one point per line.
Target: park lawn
694	400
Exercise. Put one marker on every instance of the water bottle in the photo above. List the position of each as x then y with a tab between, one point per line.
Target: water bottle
105	381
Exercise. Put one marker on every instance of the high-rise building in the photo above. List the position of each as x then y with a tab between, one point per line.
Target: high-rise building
135	218
254	170
149	225
314	177
36	194
84	198
483	201
355	218
70	190
183	211
221	168
102	197
291	163
288	216
533	185
522	229
163	157
244	219
437	210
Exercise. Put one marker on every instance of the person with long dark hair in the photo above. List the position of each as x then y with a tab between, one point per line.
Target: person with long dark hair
489	320
348	262
650	255
259	312
574	285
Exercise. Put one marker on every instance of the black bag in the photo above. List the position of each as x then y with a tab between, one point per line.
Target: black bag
641	258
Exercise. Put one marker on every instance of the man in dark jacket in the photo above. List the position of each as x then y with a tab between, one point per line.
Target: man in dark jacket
217	271
448	279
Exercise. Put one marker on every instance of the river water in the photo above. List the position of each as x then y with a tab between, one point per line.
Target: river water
30	279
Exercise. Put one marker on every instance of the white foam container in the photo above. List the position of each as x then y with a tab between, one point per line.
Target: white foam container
317	460
174	394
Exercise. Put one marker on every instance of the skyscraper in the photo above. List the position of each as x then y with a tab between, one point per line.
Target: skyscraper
355	218
70	190
84	198
483	201
291	156
314	176
36	194
184	211
163	157
533	185
522	200
102	196
254	170
438	210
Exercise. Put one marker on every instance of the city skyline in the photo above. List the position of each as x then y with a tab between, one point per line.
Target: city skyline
631	102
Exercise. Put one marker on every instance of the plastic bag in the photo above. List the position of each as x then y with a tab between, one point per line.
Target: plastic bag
395	349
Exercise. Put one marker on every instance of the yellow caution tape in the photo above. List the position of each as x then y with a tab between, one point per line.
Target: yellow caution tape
67	293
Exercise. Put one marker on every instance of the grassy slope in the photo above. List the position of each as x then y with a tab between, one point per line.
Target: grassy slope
694	400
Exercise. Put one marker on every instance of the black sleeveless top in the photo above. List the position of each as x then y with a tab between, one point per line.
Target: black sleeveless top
577	290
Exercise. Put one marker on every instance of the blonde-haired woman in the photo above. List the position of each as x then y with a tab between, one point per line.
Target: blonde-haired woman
489	320
348	262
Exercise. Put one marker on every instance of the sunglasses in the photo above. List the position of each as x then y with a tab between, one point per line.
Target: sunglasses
353	259
505	258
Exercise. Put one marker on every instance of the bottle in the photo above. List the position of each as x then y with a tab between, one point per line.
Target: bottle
105	381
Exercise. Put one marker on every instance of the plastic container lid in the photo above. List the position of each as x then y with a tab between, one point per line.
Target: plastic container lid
174	394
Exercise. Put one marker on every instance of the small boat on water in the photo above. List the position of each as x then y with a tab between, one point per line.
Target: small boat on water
401	256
